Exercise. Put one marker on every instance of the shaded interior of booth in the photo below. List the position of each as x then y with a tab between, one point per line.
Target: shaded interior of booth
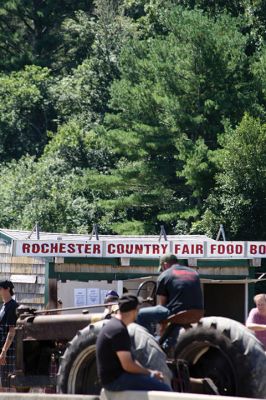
228	285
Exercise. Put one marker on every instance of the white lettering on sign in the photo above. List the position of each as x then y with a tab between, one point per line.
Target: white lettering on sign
225	249
256	249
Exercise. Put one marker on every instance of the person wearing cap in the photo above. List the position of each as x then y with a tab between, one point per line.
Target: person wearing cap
178	289
116	367
8	320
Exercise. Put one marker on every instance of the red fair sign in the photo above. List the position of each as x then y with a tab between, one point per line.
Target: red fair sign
183	249
128	248
133	249
57	248
226	249
256	249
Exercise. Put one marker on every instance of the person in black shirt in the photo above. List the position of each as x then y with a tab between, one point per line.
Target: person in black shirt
116	367
7	331
178	289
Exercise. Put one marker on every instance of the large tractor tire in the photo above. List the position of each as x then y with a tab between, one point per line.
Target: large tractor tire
78	371
228	353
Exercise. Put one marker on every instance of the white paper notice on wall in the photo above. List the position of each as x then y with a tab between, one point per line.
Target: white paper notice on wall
80	297
93	296
103	294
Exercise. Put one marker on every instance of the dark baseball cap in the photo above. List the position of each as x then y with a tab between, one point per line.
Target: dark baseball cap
128	302
6	285
167	258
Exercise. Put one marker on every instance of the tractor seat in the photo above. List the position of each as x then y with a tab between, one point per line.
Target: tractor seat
185	317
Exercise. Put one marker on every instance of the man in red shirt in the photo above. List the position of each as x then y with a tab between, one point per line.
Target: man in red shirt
257	318
178	289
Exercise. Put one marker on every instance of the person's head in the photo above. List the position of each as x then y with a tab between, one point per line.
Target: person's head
6	289
128	307
111	297
260	301
166	261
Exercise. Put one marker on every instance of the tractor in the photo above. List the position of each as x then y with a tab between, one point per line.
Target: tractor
215	347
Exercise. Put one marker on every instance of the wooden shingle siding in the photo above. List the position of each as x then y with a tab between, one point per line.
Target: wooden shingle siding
30	294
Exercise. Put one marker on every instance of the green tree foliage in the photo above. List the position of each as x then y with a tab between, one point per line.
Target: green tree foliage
168	107
238	199
86	91
26	112
258	69
198	167
30	30
78	34
47	192
189	80
251	13
53	190
78	149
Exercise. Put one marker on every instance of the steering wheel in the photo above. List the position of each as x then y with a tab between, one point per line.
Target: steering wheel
147	290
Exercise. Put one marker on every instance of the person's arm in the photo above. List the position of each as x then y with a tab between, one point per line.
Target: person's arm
133	367
161	300
252	321
255	327
7	344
